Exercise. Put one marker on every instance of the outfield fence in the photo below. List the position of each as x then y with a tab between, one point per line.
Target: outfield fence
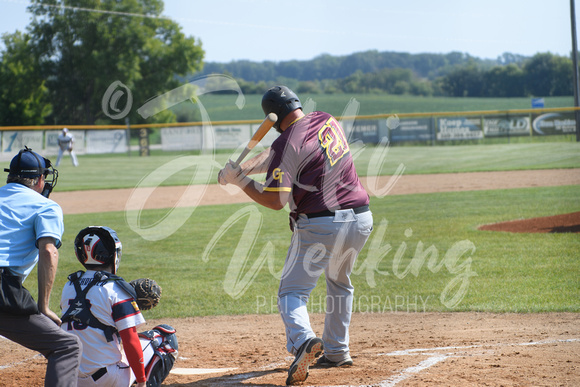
372	129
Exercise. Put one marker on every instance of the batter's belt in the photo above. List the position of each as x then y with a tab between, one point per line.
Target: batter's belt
294	216
357	210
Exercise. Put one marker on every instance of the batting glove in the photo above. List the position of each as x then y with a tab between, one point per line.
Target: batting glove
231	174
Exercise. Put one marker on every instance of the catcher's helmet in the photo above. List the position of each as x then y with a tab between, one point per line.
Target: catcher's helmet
97	246
280	100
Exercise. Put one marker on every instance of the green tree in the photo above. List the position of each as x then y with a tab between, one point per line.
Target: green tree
563	76
422	87
24	95
504	81
548	75
82	54
464	81
308	87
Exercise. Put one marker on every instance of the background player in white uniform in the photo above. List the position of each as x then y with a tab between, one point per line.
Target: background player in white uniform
110	301
65	143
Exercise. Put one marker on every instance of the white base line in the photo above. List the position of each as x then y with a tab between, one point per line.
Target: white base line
199	371
10	365
3	367
430	350
411	371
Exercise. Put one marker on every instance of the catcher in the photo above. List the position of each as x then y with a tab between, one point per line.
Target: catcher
104	311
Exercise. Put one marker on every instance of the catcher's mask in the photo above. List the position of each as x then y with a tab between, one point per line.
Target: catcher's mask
29	164
280	100
98	246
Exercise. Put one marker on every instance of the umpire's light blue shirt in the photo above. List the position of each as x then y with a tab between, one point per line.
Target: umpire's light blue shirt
26	216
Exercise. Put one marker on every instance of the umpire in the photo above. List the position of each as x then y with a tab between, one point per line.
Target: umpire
31	228
310	167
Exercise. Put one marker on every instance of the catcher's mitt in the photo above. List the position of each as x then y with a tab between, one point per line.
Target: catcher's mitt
148	293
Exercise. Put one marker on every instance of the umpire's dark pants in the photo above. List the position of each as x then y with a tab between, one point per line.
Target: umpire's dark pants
39	333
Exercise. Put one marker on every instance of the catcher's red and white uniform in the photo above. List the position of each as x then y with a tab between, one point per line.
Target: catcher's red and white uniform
114	307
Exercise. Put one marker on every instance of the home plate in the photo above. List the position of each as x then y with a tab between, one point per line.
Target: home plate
199	371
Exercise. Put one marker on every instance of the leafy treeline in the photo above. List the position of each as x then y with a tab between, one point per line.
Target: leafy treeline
335	67
454	74
72	66
97	62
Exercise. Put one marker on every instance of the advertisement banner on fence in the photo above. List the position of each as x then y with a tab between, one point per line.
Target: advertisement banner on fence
459	128
553	123
182	138
412	129
502	126
231	136
13	141
366	131
106	141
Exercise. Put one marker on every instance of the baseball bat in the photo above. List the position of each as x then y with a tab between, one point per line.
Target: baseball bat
265	126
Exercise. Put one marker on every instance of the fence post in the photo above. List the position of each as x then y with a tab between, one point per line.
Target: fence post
575	66
128	136
144	142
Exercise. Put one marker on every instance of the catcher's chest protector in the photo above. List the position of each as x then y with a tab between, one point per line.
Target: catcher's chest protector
79	312
164	344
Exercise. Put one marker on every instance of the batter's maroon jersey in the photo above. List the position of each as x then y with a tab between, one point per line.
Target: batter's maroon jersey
312	160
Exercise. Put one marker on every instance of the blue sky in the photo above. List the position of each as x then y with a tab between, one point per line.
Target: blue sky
283	30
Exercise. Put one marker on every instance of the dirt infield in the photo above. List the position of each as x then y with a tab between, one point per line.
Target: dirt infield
166	197
556	223
402	349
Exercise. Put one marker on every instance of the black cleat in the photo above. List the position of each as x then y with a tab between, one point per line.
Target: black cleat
306	355
323	362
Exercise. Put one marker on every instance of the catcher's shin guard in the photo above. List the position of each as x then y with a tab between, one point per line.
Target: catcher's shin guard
163	344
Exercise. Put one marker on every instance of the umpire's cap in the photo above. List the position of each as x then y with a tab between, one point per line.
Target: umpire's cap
280	100
29	164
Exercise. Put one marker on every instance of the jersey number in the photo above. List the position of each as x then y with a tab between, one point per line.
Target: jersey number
332	140
76	324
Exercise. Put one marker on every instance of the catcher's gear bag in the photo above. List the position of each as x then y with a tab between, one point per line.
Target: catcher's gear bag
79	312
148	293
163	342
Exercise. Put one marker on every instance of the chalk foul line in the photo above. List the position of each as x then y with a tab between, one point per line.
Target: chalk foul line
452	348
411	371
435	359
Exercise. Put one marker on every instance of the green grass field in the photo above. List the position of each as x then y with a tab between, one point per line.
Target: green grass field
120	171
425	254
222	107
507	273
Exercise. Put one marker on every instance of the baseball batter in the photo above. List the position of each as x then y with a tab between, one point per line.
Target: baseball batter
65	143
109	313
310	167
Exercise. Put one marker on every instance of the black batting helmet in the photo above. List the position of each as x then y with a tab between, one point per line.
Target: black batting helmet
280	100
